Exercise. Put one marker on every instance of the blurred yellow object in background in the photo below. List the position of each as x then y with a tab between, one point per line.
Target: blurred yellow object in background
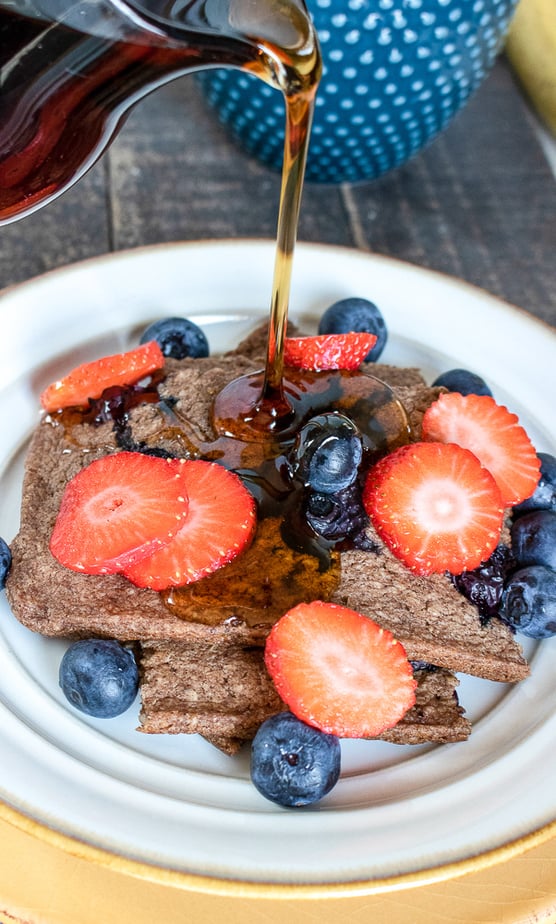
531	50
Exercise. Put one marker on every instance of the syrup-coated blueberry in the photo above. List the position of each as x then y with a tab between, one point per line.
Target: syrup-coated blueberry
338	517
99	677
534	538
544	496
484	585
327	453
464	382
177	337
529	601
356	314
5	562
292	763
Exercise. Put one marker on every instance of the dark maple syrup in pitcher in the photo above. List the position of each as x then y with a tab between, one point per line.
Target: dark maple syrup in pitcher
71	71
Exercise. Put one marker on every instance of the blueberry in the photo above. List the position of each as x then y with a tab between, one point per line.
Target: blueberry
177	337
424	666
356	314
484	585
5	562
534	538
464	382
327	453
544	496
529	601
99	677
338	517
292	763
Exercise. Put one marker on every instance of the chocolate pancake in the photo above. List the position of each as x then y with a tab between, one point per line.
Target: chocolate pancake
232	695
222	621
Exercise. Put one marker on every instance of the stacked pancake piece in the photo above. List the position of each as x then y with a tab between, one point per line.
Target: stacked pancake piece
201	660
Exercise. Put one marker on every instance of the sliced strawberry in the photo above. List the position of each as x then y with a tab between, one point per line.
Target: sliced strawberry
328	351
435	507
493	434
220	523
338	671
117	510
90	379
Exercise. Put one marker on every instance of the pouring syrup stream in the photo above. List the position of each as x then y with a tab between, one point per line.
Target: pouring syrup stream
254	405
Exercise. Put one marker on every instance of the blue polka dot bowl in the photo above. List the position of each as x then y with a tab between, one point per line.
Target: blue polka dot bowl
395	72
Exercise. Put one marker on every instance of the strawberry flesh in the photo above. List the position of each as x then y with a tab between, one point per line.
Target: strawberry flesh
220	523
435	506
338	671
493	434
117	510
326	352
89	380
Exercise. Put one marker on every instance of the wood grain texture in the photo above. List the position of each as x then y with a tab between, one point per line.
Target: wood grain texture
479	203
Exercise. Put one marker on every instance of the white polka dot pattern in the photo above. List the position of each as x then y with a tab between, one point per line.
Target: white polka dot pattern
395	72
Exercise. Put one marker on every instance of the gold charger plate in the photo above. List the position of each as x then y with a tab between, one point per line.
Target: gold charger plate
42	884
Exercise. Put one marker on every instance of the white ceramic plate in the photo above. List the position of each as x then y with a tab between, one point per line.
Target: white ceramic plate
165	803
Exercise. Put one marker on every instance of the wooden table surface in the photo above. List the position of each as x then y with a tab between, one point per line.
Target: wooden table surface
478	204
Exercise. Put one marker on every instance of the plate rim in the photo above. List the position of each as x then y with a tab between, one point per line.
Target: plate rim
223	886
268	243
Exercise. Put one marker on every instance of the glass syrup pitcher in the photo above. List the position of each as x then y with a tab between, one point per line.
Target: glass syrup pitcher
70	71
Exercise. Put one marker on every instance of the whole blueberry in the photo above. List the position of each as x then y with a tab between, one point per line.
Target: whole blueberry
292	763
177	337
464	382
356	314
99	677
5	562
534	538
544	496
327	453
529	601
